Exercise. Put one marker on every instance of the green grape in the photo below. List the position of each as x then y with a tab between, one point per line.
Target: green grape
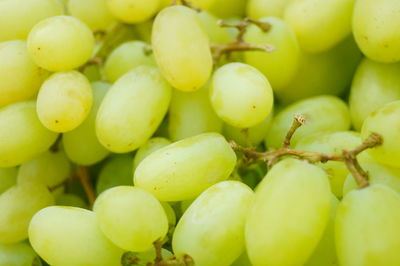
374	84
322	113
116	171
22	136
333	143
329	72
169	211
376	28
228	9
367	229
94	13
72	200
319	25
378	174
60	43
185	204
141	91
182	170
20	78
216	33
18	204
385	121
241	95
264	8
131	217
325	252
126	57
133	11
178	28
19	16
8	178
143	31
66	236
149	147
92	72
18	254
64	101
207	230
81	144
187	107
281	65
289	215
243	260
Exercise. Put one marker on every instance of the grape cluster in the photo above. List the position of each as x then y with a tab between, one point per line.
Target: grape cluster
201	132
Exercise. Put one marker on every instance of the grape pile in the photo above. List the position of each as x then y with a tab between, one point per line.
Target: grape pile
200	132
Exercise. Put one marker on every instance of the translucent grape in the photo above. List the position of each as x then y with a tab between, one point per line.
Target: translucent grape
64	101
264	8
72	200
133	11
8	178
216	33
182	170
19	254
228	9
149	147
169	211
60	43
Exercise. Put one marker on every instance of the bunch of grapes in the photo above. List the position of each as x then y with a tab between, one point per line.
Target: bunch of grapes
201	132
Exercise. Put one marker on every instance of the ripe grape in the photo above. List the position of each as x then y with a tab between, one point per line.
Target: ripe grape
149	147
216	33
18	254
8	178
67	199
264	8
133	11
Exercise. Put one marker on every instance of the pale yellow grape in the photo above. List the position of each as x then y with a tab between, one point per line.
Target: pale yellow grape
133	11
184	169
241	95
22	136
264	8
8	178
19	254
228	9
178	28
378	174
60	43
18	204
374	84
19	16
70	200
386	122
290	213
281	65
319	25
64	101
216	33
149	147
132	109
81	144
94	13
20	78
191	113
322	114
131	217
367	229
208	229
376	27
66	236
126	57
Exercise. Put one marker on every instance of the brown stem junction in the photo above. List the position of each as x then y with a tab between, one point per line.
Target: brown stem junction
83	175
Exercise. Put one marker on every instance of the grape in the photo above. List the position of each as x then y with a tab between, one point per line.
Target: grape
133	11
385	121
18	204
178	28
290	213
322	113
117	171
182	170
126	57
319	25
281	65
22	136
64	101
65	236
19	16
185	204
141	91
207	230
226	9
60	43
376	28
149	147
81	144
241	95
146	257
216	33
187	107
243	260
367	227
70	200
169	211
374	84
20	78
131	217
8	178
263	8
94	13
19	254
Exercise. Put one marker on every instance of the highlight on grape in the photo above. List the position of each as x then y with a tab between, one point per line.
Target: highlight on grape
200	132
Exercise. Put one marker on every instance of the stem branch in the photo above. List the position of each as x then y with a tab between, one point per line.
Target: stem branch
83	175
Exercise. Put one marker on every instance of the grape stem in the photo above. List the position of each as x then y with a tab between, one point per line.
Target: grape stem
83	176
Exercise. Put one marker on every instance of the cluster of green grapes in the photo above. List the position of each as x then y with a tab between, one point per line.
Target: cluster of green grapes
153	133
